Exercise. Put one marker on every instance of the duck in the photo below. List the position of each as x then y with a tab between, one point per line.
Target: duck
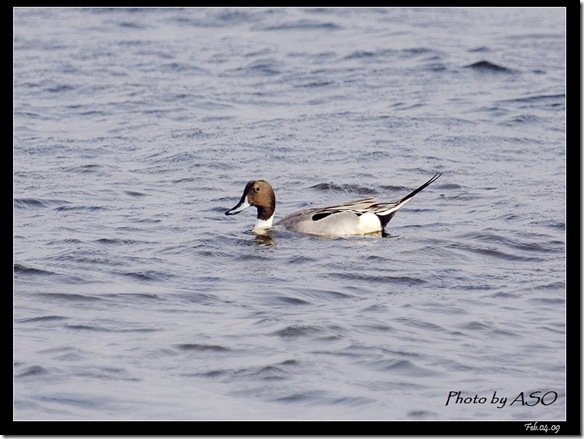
359	217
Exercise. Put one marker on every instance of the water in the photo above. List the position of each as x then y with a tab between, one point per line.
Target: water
135	297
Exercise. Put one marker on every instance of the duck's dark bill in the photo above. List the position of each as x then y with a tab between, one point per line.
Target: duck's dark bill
242	205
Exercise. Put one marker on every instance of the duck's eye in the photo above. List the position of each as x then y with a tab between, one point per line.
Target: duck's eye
258	188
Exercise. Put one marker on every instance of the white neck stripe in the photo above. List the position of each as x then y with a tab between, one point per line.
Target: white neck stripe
262	225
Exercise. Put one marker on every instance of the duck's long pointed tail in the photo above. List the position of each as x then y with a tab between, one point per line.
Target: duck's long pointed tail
421	188
388	214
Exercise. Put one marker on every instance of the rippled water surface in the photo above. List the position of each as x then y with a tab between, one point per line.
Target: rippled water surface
135	297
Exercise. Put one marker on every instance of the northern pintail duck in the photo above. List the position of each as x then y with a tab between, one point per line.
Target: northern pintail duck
354	218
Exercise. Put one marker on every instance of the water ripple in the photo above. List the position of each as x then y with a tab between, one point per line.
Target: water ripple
377	278
302	24
489	67
349	188
23	203
31	371
201	347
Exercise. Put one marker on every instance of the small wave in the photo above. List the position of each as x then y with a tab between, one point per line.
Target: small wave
406	280
42	319
31	371
433	327
326	295
539	243
201	347
303	24
377	327
181	68
20	269
107	373
400	366
504	295
116	241
488	67
23	269
453	186
537	98
301	259
257	68
132	25
60	88
421	414
417	51
215	373
547	301
560	285
270	372
474	326
192	133
350	188
392	385
286	300
84	169
30	203
556	225
233	16
320	397
498	332
351	401
360	54
523	119
557	101
480	49
148	275
502	255
69	297
315	84
80	208
435	67
309	396
297	331
134	296
97	328
135	194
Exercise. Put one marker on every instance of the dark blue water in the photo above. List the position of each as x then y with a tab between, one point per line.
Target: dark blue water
135	297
